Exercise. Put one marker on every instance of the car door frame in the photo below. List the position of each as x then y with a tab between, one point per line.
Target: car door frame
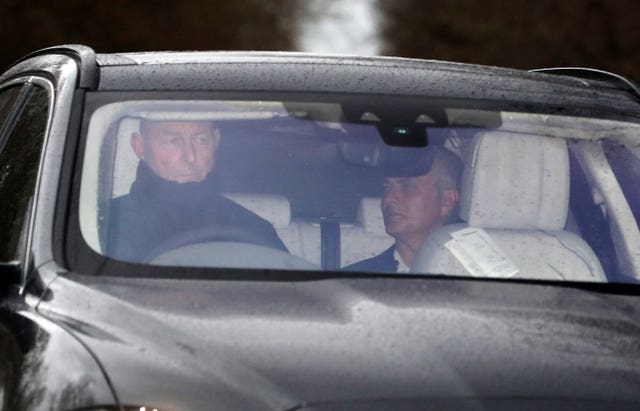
58	75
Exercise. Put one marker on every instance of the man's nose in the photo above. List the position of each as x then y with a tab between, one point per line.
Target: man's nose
189	152
390	196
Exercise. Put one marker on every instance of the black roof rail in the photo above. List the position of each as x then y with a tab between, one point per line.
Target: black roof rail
83	55
589	73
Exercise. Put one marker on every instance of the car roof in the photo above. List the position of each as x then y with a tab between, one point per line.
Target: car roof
303	72
273	72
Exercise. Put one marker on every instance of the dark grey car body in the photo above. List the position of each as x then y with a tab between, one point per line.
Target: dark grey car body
263	339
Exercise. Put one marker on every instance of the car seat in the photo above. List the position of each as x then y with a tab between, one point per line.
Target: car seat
514	202
301	238
367	237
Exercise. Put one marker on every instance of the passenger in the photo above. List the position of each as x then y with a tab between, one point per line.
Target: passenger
413	206
175	192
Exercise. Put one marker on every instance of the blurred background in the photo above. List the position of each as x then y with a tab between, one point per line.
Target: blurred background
522	34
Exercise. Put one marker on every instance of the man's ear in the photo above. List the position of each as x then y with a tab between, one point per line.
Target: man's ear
137	142
448	201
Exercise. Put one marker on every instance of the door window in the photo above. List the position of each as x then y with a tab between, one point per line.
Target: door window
19	159
8	98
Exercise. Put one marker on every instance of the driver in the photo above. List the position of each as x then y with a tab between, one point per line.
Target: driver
175	192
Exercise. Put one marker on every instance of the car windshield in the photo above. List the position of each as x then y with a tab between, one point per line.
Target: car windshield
345	184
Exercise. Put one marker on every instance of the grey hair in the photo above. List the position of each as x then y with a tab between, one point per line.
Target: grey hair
448	168
145	123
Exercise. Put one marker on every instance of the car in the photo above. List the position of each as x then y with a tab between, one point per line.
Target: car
251	296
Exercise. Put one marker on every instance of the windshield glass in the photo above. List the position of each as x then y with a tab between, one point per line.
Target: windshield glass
361	185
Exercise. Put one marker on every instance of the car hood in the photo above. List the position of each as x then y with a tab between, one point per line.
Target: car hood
360	343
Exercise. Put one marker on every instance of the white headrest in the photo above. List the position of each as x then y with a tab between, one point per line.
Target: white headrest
516	181
273	208
370	215
126	161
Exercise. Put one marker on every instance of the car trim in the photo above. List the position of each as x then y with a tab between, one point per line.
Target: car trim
586	73
60	89
32	210
84	56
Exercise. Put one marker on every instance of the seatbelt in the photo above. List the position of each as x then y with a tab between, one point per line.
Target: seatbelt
330	245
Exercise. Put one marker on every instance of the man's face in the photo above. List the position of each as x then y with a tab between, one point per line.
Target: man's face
411	206
180	151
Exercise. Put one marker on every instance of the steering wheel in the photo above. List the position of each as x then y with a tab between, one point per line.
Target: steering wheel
211	234
223	246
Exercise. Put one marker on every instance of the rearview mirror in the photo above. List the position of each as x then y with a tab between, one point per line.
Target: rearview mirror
396	161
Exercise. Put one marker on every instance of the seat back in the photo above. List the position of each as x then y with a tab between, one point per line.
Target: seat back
514	200
301	238
367	237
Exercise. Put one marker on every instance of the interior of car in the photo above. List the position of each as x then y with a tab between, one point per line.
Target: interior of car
538	196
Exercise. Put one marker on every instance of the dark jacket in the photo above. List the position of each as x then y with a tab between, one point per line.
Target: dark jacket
158	211
383	262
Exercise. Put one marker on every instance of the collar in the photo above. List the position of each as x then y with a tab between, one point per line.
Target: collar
402	267
159	191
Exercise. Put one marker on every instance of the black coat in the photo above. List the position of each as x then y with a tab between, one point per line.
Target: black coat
383	263
156	211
